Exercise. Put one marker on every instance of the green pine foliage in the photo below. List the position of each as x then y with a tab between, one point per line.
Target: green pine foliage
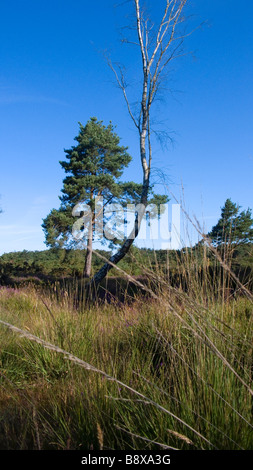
93	167
233	227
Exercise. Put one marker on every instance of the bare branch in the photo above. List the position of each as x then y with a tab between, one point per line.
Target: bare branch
122	86
172	22
126	41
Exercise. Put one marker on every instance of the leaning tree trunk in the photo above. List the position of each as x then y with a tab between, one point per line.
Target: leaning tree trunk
100	275
156	55
144	133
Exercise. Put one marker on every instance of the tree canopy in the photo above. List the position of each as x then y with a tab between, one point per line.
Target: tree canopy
93	167
233	227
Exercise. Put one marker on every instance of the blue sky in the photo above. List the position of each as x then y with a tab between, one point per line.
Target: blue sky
53	75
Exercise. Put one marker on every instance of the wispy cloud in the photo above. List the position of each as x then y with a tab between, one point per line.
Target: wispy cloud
40	200
9	230
12	98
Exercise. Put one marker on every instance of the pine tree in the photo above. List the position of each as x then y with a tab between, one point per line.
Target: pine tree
233	227
93	167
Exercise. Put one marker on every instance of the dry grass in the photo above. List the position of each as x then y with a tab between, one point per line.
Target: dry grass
170	370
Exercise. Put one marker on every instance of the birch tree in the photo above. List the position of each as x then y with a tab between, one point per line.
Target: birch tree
158	44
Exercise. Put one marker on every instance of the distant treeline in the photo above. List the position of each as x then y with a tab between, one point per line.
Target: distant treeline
54	264
61	263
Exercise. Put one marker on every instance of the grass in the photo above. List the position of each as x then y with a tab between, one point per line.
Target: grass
168	370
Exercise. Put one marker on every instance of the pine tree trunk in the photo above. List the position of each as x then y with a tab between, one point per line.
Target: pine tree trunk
88	259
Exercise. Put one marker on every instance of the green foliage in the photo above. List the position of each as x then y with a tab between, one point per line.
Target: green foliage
60	263
53	263
233	227
93	167
57	227
131	193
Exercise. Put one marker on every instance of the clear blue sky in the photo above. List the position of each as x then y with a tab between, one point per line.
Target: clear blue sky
52	75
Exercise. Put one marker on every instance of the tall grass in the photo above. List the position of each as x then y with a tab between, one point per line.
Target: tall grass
170	369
